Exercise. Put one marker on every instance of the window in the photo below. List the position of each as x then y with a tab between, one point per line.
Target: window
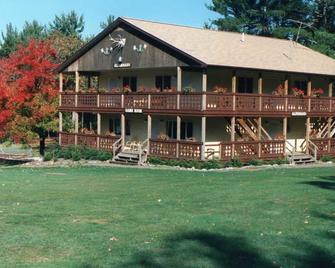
115	126
186	130
301	85
163	82
131	82
171	129
245	85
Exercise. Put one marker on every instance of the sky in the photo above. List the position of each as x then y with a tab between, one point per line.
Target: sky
185	12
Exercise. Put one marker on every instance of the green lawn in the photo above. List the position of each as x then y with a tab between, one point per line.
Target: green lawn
119	217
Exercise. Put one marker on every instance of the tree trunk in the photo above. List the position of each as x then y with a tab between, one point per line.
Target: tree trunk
42	145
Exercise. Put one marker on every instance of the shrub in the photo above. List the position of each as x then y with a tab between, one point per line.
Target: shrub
236	162
256	162
282	161
327	158
48	156
76	155
211	164
103	156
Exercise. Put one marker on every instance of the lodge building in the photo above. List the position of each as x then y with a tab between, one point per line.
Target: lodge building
170	91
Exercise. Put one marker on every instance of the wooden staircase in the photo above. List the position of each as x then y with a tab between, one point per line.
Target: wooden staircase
307	155
131	154
247	128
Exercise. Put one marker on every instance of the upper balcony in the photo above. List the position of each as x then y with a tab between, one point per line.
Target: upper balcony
206	103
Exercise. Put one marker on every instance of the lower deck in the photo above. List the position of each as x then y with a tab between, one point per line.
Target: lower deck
201	138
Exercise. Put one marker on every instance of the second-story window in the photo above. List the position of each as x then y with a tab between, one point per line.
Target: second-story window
163	82
245	85
130	81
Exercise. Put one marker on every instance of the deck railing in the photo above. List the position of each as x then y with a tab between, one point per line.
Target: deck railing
101	142
214	102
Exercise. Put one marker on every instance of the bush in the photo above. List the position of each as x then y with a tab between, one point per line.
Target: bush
211	164
48	156
76	156
256	162
327	158
282	161
236	162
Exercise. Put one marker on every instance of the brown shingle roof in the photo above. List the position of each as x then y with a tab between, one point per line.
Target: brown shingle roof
226	49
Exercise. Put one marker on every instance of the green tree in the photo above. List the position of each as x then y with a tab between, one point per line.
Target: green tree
32	30
69	24
324	15
259	17
110	19
10	40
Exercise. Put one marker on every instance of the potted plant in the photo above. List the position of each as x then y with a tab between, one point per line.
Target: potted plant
92	90
220	89
317	92
298	92
279	91
188	90
126	89
163	136
102	90
115	90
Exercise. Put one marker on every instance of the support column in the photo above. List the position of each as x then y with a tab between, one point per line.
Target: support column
308	119
204	89
98	129
179	85
60	115
178	134
260	89
123	129
203	137
330	119
76	126
232	135
149	130
233	89
77	77
259	132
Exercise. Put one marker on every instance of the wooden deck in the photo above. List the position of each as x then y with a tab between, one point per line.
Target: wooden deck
209	104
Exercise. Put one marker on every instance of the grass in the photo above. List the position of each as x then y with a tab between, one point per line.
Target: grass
119	217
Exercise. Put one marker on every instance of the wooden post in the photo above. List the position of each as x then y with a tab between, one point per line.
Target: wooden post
286	82
149	130
259	132
123	130
98	129
309	91
179	85
232	136
308	119
204	89
285	128
76	127
77	77
178	134
60	88
60	114
260	90
329	124
233	89
203	137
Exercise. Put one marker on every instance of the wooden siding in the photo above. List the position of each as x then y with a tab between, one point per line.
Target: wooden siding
151	57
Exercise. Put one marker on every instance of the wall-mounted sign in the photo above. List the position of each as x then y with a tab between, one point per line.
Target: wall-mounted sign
299	113
135	111
122	65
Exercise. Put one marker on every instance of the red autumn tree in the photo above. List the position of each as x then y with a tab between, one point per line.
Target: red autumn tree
28	93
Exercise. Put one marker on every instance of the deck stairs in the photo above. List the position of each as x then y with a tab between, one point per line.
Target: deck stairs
306	154
247	129
132	153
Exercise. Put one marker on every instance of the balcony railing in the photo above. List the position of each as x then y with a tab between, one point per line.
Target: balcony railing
193	102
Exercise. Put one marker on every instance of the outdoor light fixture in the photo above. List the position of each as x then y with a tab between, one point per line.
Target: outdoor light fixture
140	48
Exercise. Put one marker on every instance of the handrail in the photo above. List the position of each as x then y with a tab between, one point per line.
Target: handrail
143	149
116	147
314	149
293	150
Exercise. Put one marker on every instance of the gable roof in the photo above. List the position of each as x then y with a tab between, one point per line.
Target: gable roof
219	48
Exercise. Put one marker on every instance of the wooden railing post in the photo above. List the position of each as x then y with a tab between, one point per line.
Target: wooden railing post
179	85
309	91
260	90
259	132
286	92
149	130
232	136
203	137
233	89
178	135
123	130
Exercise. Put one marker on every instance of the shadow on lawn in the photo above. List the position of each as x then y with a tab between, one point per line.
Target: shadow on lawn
324	182
202	249
205	249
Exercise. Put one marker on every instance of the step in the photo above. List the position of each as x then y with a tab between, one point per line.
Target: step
302	159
